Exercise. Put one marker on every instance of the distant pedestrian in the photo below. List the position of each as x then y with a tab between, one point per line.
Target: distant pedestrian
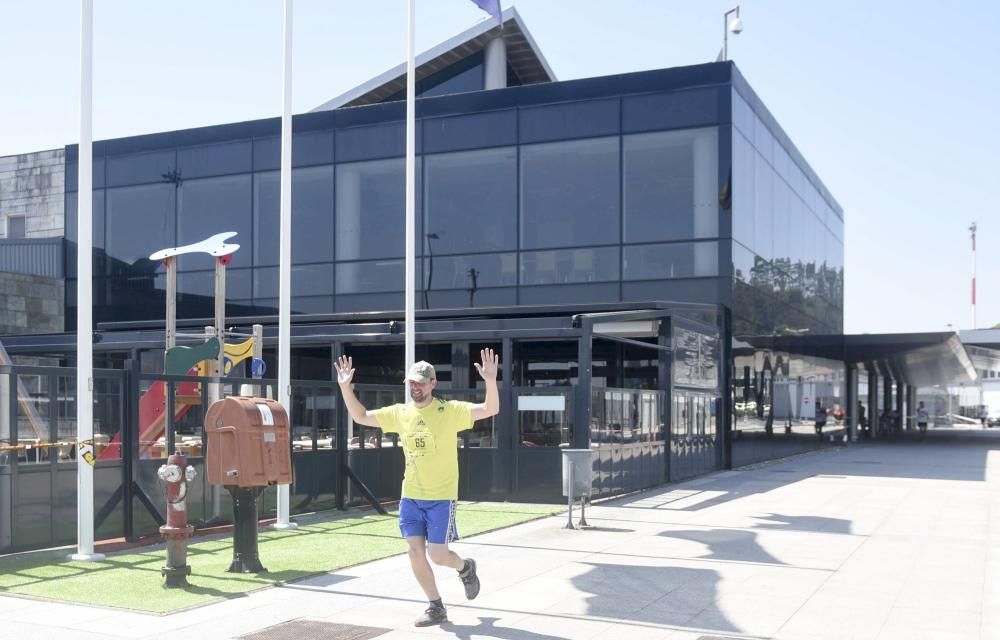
428	428
922	417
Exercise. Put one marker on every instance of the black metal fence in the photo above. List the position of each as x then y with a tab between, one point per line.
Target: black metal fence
140	418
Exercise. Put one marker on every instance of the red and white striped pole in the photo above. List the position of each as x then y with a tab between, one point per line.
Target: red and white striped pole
973	230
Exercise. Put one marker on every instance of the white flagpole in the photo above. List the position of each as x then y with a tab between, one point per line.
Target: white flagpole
410	188
285	255
84	294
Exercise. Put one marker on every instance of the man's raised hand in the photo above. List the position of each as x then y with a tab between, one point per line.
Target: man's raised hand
491	361
345	369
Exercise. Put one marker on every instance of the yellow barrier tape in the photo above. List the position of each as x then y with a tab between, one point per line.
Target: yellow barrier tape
43	445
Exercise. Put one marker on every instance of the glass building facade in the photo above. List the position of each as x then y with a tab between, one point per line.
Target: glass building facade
788	232
662	185
597	190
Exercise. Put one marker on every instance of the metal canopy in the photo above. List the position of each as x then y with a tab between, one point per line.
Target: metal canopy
536	321
989	338
919	359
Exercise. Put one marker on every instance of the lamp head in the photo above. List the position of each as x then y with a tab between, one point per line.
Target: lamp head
736	26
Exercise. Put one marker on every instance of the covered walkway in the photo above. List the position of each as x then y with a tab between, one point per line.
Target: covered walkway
872	541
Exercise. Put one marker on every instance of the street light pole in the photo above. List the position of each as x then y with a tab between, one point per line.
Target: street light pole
736	26
972	228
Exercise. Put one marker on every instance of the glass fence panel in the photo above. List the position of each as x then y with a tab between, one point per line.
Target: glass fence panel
626	416
373	397
64	443
109	414
33	411
544	419
8	448
314	416
484	433
651	422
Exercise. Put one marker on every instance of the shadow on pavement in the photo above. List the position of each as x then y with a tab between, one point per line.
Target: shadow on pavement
727	544
487	629
667	597
813	524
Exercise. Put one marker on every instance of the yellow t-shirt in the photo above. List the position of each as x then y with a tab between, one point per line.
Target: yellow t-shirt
430	445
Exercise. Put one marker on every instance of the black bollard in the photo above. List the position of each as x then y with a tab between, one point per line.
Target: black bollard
245	558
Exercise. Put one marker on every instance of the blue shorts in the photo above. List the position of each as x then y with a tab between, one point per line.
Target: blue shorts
431	519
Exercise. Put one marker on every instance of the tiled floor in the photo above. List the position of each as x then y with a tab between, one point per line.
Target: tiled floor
870	542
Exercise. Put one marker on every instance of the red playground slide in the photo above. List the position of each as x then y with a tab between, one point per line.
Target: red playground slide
153	417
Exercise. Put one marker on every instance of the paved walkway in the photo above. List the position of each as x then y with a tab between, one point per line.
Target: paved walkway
871	541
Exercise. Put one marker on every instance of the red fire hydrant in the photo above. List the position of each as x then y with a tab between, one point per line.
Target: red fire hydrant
177	474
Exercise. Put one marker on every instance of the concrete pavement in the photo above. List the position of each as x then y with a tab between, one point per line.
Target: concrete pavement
880	542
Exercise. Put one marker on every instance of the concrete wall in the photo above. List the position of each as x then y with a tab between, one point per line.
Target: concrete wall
31	304
33	185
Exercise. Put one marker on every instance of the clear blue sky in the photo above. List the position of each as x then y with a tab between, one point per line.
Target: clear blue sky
893	103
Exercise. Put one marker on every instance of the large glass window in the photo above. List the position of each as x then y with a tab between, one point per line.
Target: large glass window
569	193
677	260
743	195
371	209
671	185
370	277
763	209
214	159
569	265
470	79
210	206
782	203
140	221
569	120
72	219
97	214
202	284
742	114
308	148
471	201
455	272
743	262
139	168
312	216
308	280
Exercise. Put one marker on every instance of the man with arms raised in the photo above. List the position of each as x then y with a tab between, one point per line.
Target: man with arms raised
428	428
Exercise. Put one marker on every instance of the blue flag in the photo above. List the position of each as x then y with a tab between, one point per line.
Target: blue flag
491	7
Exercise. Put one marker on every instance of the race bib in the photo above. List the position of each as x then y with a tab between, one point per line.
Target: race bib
420	443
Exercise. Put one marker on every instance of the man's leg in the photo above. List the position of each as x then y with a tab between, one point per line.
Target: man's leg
440	531
441	555
417	550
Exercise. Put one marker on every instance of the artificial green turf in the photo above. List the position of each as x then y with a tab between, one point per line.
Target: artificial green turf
133	581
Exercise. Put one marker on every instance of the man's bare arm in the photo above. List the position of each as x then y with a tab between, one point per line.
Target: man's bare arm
345	376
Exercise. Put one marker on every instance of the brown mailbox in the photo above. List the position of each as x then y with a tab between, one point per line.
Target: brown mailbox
247	443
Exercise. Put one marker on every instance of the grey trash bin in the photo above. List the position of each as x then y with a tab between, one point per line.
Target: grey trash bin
580	462
577	471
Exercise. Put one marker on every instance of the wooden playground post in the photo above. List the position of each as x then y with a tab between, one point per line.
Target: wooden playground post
171	264
220	315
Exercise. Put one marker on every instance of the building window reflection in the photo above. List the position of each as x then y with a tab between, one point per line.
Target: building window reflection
569	193
671	185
